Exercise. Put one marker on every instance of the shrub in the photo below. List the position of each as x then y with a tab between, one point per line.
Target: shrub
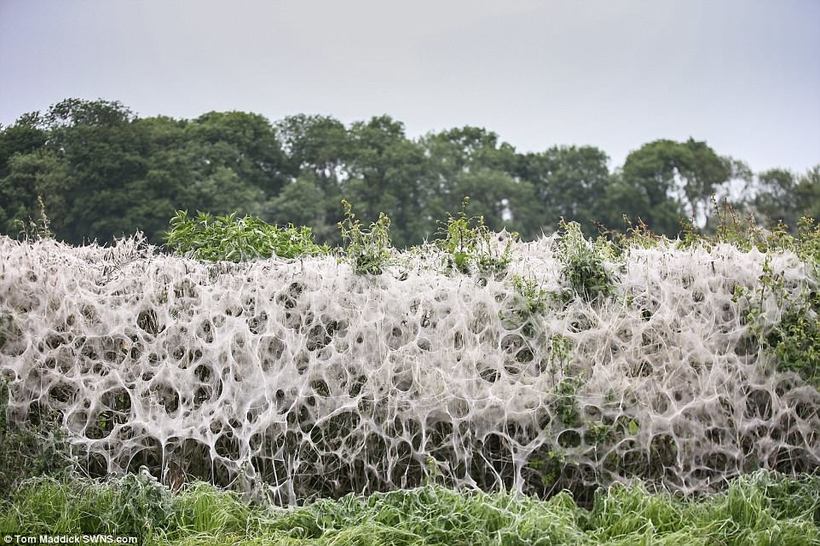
743	232
583	266
34	229
560	352
565	403
35	448
367	251
794	341
739	230
529	300
469	244
233	239
533	299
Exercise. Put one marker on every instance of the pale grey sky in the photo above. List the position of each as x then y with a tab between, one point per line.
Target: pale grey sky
743	75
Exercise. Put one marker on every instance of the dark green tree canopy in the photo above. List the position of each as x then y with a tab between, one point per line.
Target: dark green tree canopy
99	171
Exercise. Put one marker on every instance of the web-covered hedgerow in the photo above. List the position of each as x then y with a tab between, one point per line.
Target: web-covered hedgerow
566	364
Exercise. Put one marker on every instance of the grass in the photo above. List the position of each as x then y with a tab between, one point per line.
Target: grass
760	508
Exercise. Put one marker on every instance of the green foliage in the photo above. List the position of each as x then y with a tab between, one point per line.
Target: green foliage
104	172
794	341
134	505
35	229
528	302
228	238
583	265
560	351
807	241
534	299
34	448
368	251
565	402
665	180
548	467
565	394
783	197
599	433
7	328
304	203
569	182
469	244
732	227
639	235
760	508
742	231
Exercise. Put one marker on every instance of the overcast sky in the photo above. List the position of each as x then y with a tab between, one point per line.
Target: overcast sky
744	75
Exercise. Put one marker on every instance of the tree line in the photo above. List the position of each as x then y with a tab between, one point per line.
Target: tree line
98	171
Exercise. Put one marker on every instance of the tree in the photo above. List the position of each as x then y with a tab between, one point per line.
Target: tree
24	136
102	154
784	197
318	150
32	179
303	203
100	171
245	143
503	201
316	144
664	181
775	201
386	171
807	193
471	162
570	183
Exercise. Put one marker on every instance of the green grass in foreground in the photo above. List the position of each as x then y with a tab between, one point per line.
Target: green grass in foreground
759	508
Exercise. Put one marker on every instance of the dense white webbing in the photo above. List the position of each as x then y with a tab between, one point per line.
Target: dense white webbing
311	380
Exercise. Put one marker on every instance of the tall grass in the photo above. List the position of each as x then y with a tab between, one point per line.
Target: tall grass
759	508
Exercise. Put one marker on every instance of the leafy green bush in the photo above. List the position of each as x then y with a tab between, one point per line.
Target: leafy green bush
583	265
794	341
367	251
228	238
529	301
729	226
533	299
469	243
744	233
